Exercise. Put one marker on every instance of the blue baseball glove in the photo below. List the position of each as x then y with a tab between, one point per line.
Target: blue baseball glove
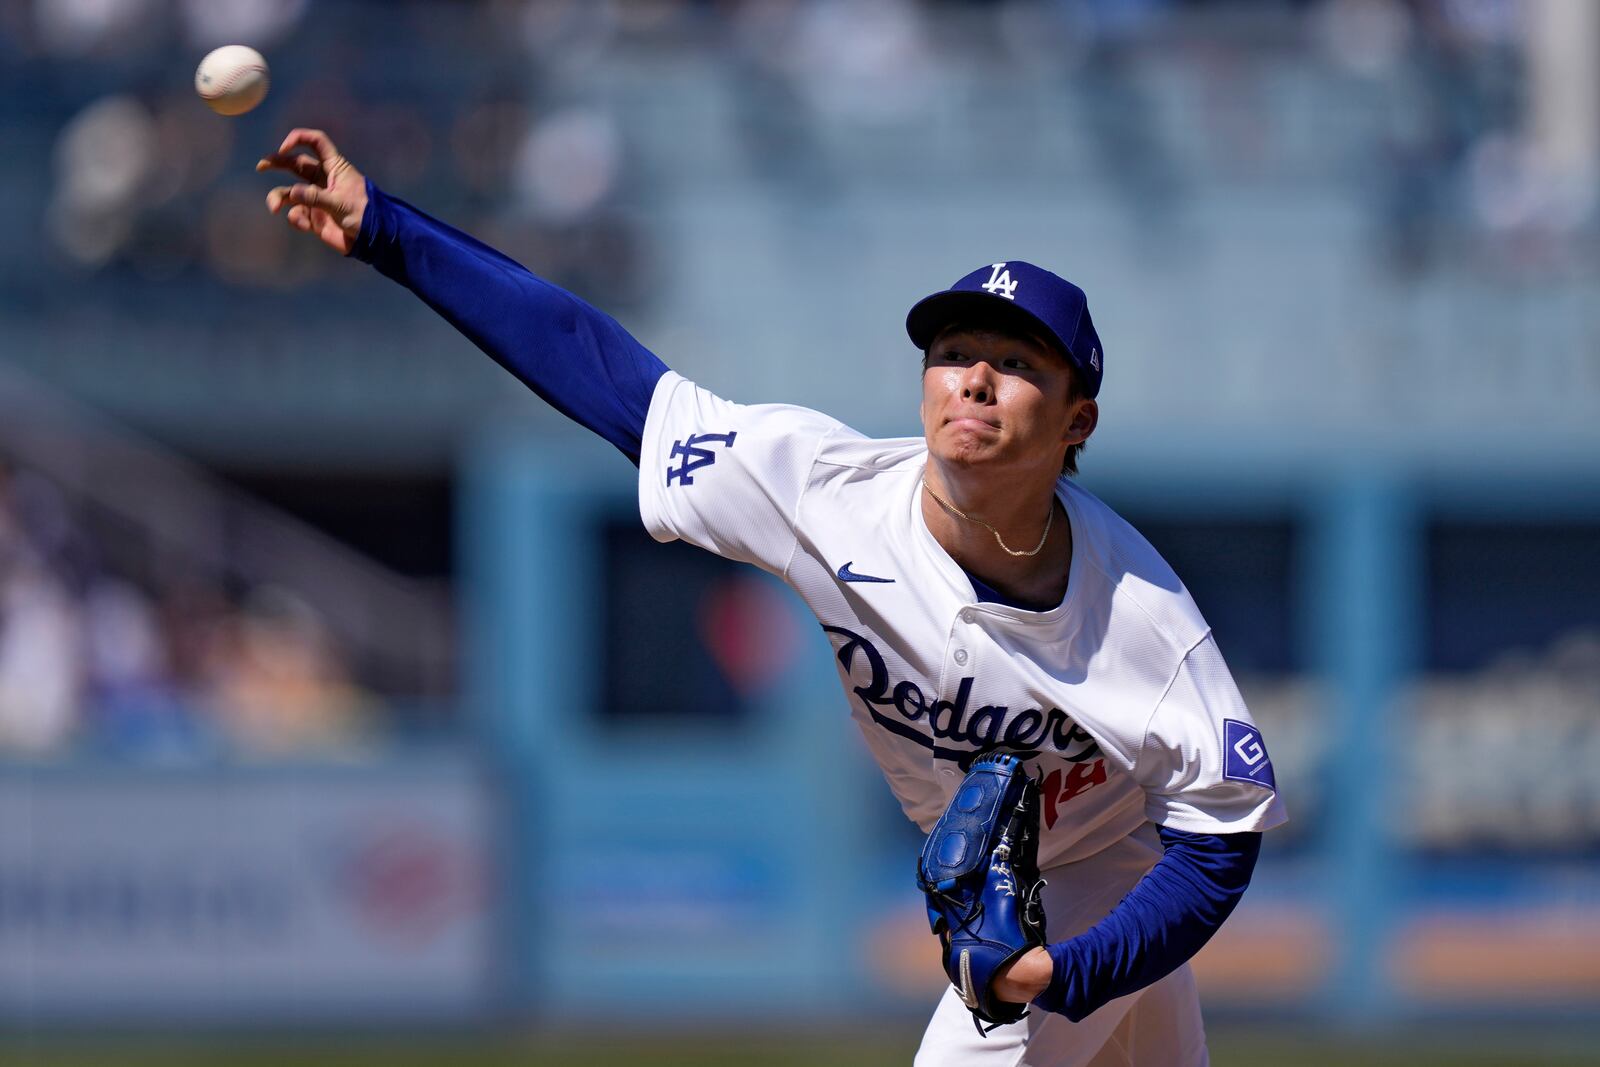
980	872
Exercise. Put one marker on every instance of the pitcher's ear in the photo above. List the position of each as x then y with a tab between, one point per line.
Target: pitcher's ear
1085	417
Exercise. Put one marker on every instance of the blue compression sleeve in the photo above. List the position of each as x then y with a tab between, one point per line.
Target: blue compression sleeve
1157	927
578	359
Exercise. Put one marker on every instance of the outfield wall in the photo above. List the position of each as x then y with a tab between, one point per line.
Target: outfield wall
1423	657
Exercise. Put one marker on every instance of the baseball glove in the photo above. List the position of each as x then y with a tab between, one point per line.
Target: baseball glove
980	872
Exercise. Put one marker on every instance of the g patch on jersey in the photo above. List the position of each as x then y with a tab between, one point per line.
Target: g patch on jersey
1244	755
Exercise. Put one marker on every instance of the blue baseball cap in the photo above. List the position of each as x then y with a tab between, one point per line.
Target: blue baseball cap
1044	300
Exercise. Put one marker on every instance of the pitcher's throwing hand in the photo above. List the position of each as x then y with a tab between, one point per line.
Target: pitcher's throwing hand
329	200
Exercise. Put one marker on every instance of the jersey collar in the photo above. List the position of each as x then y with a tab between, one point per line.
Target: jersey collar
960	586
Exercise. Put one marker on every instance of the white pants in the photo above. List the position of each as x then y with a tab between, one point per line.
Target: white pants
1159	1026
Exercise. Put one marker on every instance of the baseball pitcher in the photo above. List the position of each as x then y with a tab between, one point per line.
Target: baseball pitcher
1043	696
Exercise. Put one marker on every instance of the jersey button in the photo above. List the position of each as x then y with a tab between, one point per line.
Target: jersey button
961	655
966	616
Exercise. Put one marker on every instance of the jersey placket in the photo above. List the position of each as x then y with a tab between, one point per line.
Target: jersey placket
962	653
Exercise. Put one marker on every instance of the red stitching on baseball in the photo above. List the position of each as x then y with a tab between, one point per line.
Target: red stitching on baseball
222	88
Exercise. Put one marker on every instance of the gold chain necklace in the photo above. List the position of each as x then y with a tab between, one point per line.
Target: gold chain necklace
952	509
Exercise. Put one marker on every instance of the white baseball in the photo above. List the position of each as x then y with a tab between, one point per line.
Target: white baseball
232	79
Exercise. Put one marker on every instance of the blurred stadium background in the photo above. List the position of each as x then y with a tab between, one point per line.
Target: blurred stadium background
342	697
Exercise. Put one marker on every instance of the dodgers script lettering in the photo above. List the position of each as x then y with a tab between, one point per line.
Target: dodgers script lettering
896	704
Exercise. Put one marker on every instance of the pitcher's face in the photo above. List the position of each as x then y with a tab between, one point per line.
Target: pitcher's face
1000	400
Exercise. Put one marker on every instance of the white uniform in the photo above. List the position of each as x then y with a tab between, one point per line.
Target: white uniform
1117	699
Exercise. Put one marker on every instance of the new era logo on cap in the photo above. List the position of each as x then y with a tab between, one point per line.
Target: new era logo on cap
1056	307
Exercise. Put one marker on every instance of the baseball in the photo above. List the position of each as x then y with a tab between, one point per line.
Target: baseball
232	79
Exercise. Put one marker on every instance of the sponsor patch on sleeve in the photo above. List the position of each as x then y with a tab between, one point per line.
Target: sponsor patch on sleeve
1244	755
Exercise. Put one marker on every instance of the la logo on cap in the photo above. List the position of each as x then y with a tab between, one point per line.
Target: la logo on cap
1000	283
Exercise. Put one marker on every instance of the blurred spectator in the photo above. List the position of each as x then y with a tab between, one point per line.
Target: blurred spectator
82	27
1119	112
40	668
777	130
567	164
865	61
103	163
484	139
87	660
209	23
39	660
135	704
273	679
1531	724
563	35
1451	79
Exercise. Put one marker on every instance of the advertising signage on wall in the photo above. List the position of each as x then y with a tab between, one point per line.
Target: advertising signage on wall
261	897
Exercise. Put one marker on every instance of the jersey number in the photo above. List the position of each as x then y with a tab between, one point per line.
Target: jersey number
1058	789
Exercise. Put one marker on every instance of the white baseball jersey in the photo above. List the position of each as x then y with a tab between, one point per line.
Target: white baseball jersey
1117	699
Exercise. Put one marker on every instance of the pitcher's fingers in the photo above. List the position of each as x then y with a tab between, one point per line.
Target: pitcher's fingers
299	217
316	140
309	195
306	168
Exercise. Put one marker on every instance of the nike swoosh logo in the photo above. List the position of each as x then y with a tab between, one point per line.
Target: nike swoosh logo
848	575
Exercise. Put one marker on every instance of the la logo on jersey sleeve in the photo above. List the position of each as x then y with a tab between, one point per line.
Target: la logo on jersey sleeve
695	452
1244	755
